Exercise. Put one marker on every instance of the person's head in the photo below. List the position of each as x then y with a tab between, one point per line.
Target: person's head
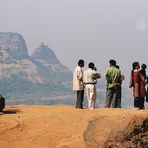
112	62
91	65
143	66
81	63
135	65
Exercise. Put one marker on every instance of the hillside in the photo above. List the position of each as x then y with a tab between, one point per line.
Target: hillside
24	76
67	127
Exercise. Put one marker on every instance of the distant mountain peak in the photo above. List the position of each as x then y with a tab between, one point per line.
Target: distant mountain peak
44	53
14	44
42	45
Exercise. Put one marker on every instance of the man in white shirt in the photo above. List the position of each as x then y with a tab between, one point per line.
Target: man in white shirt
90	79
78	84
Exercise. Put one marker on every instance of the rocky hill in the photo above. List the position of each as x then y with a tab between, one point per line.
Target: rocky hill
13	47
40	75
68	127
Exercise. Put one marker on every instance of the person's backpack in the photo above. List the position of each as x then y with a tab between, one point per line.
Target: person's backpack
2	103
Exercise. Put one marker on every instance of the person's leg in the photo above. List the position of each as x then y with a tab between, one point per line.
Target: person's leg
116	102
147	94
92	97
141	103
80	96
136	102
119	97
109	96
77	100
87	88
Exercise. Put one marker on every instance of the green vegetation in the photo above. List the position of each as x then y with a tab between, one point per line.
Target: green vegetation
24	90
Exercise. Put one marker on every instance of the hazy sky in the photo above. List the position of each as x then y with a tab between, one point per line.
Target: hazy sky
95	30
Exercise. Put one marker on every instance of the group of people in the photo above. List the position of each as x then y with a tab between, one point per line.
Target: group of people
87	80
138	80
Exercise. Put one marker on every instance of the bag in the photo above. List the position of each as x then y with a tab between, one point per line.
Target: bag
2	103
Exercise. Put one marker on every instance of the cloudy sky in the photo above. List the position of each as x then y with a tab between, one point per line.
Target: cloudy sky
95	30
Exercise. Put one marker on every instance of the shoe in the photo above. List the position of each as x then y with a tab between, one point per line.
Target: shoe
91	108
80	107
1	113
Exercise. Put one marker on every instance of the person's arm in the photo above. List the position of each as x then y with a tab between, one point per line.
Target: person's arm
80	74
96	75
108	76
131	80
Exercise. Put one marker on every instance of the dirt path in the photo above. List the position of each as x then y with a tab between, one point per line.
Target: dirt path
56	126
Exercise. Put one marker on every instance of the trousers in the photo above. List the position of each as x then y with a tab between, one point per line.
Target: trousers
91	95
112	97
80	96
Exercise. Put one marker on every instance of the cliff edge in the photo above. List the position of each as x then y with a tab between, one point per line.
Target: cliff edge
66	127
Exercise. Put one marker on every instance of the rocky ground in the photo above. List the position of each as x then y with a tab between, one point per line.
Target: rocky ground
66	127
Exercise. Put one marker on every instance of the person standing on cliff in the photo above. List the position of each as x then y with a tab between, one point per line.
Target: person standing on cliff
113	77
119	88
90	78
78	84
143	72
137	81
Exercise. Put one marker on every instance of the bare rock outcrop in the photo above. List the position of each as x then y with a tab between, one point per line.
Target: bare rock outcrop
134	134
106	132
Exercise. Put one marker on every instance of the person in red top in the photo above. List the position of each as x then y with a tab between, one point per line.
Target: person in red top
137	81
143	72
